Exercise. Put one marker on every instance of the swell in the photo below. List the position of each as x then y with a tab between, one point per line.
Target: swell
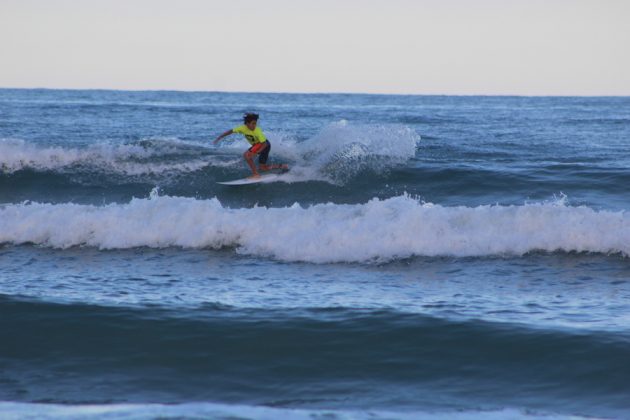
522	181
253	355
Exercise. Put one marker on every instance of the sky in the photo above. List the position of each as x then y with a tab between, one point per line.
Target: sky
464	47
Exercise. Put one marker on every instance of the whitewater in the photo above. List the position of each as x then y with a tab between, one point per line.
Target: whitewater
377	231
425	257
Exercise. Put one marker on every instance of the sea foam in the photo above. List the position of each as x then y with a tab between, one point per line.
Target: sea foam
152	156
377	231
342	150
19	410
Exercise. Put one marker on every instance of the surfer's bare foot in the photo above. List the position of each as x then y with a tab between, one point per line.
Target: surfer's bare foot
254	176
270	167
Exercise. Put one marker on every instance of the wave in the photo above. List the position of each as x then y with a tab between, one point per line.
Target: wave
376	231
302	357
337	153
233	411
149	156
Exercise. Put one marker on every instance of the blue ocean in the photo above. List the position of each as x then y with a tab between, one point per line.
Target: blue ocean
426	257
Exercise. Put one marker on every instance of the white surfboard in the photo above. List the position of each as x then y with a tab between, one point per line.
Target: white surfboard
262	179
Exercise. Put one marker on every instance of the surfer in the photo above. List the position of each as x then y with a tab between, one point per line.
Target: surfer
260	145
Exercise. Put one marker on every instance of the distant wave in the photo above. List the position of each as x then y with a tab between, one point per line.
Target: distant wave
379	230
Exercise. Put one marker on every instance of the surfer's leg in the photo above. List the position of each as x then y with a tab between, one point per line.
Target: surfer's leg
263	156
249	158
262	160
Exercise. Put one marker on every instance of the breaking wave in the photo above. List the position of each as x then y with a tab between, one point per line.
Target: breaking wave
336	154
376	231
141	158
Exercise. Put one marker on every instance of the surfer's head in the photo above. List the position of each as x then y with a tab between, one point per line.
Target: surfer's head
250	120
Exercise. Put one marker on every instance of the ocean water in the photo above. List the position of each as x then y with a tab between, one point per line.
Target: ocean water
430	257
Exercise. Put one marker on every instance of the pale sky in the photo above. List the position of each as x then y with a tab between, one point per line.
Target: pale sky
493	47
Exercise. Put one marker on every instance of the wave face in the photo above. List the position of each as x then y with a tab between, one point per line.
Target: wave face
279	358
380	230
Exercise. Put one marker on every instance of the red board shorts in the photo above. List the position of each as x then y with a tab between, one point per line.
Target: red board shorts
262	150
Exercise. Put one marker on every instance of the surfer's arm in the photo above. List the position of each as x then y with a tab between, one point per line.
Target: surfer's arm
227	133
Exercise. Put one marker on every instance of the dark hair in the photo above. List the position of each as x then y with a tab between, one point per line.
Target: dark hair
250	117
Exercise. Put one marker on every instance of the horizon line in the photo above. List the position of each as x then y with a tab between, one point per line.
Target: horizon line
263	92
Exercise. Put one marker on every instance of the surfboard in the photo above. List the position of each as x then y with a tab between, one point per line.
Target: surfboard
262	179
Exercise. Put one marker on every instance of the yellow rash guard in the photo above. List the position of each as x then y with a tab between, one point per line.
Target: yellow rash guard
252	136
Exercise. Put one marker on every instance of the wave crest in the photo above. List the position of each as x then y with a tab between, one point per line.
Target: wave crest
151	156
379	230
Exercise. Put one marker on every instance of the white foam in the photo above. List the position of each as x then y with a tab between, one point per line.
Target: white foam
127	159
16	410
339	151
390	141
379	230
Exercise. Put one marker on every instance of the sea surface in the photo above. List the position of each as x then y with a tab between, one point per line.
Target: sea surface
432	257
